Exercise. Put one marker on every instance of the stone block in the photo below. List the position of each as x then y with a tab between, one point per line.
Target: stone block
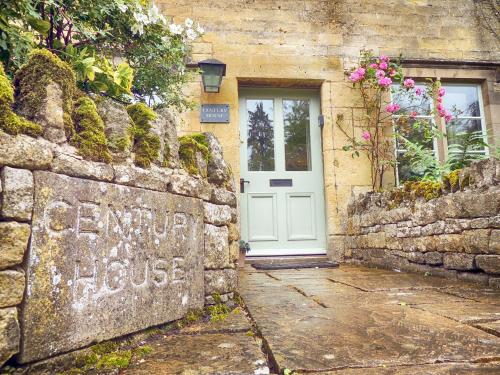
216	247
220	281
75	166
22	151
473	277
479	204
476	241
183	184
489	263
165	126
234	251
11	287
9	334
224	197
216	214
153	178
494	247
480	223
116	126
234	232
218	170
107	260
433	258
459	261
13	243
494	282
17	194
448	207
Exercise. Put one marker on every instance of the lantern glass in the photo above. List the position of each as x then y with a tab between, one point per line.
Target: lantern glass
212	73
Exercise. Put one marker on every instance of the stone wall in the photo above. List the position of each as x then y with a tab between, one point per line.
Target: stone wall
456	235
92	250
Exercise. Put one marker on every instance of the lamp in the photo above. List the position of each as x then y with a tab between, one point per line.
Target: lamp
212	71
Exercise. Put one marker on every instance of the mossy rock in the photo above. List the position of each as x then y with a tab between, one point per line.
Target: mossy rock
451	181
10	122
190	147
146	145
32	79
89	135
413	190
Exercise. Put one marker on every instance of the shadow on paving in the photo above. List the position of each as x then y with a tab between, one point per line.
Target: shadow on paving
355	320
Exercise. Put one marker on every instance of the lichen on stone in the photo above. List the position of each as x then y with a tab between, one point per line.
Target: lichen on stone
189	146
10	122
88	135
413	190
32	79
451	180
146	145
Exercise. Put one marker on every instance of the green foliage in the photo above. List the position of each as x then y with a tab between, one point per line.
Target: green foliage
146	145
189	146
219	311
10	122
32	79
89	136
114	360
91	35
143	351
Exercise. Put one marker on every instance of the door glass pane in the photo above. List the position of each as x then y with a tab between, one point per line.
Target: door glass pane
297	139
463	99
260	136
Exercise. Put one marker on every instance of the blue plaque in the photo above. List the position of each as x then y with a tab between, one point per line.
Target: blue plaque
213	113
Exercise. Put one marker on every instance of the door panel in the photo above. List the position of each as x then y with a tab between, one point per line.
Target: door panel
282	207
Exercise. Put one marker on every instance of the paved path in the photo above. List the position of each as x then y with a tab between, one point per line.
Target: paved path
353	320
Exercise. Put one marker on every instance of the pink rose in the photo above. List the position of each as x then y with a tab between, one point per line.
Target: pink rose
418	91
385	82
366	135
439	100
355	77
439	107
413	114
384	58
447	116
383	65
392	108
392	73
361	71
379	74
374	66
441	91
409	83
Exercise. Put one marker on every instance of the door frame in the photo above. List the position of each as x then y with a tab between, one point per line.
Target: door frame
314	95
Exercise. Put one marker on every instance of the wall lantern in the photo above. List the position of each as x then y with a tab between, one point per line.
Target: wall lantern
212	71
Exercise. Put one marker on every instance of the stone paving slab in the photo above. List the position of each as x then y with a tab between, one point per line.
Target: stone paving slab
439	369
368	318
490	327
236	321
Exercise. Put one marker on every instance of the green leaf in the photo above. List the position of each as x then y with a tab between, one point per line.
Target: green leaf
39	25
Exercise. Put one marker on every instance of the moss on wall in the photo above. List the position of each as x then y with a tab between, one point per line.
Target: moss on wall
413	190
9	121
146	145
189	146
89	135
32	79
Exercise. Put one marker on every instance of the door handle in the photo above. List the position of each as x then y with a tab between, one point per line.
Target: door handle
242	184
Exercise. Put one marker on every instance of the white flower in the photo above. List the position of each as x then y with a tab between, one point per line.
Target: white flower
163	19
141	18
200	30
122	7
191	34
175	29
138	28
188	22
153	14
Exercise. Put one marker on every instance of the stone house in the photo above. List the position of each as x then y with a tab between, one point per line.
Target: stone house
281	55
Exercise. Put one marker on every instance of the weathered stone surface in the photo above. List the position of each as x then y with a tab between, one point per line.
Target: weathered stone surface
100	253
433	258
13	243
448	207
459	261
495	242
234	251
22	151
216	247
224	197
216	214
479	204
165	126
17	194
75	166
234	232
153	178
489	263
116	126
51	115
491	327
219	171
217	353
236	321
9	334
183	184
484	173
220	281
11	287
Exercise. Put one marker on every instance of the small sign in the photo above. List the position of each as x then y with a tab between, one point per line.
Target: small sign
214	113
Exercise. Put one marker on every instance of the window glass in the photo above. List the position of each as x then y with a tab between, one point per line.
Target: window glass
297	139
417	103
260	134
463	99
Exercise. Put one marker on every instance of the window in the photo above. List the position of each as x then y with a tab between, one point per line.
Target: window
464	134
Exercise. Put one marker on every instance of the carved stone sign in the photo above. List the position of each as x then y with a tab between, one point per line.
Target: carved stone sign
211	113
106	260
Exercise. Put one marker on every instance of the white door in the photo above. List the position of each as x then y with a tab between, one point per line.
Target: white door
282	206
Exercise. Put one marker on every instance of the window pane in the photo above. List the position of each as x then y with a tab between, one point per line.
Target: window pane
260	141
407	172
462	98
297	142
415	131
419	104
465	133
